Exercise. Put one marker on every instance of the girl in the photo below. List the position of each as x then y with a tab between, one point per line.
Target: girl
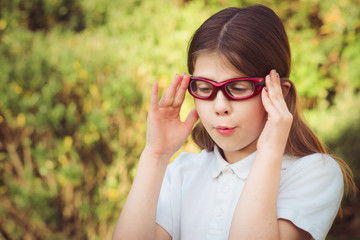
262	173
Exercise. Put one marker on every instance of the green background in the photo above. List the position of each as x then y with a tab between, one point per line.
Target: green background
75	80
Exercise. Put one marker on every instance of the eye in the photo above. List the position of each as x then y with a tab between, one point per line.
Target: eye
240	88
202	88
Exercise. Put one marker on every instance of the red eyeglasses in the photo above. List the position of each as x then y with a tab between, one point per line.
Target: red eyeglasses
233	89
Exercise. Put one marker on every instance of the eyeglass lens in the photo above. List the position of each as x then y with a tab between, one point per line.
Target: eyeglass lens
237	89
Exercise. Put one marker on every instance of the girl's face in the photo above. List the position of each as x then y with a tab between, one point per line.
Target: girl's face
235	126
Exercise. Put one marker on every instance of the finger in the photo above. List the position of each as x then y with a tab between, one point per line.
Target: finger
274	107
266	100
274	85
181	91
191	119
154	98
277	81
169	95
275	90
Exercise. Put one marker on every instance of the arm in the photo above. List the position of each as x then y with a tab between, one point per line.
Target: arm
166	133
255	216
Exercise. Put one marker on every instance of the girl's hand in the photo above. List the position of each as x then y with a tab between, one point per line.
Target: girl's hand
166	133
276	131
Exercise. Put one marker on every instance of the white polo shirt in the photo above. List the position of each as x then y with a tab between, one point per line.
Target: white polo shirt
200	192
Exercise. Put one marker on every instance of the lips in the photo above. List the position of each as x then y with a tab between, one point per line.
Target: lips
225	131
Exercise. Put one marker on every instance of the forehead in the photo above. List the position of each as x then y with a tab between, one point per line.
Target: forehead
214	67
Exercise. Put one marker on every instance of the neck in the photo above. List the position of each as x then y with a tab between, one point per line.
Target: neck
236	156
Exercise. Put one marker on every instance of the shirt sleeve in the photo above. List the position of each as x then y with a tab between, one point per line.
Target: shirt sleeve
164	210
310	194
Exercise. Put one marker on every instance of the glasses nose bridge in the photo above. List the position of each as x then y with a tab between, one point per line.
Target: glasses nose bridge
221	87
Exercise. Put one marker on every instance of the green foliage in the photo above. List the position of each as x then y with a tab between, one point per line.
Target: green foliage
75	80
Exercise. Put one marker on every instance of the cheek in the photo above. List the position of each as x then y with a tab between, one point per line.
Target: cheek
260	115
259	108
203	108
255	114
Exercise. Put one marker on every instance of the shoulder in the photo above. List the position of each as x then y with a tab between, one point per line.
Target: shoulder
317	161
315	169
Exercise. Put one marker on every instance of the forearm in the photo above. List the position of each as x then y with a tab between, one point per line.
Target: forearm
255	216
137	219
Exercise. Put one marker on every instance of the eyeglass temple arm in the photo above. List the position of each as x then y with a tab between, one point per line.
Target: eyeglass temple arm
262	83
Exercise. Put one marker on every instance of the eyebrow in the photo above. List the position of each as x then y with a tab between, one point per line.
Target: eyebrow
221	81
282	79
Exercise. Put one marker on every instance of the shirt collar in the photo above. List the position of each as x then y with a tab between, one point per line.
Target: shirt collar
242	168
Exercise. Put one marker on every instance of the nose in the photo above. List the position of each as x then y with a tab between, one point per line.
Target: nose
222	105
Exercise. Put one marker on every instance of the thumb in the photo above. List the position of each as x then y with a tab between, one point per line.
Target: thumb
191	118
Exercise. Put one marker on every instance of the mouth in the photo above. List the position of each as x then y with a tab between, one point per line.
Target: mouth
225	131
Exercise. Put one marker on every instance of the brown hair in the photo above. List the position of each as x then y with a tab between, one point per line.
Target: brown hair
253	41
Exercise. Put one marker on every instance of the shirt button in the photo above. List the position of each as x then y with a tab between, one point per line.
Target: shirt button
219	212
226	189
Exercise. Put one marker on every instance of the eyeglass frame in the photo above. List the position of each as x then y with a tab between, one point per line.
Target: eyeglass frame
258	84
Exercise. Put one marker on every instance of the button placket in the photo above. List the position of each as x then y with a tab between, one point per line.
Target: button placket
223	199
226	180
219	211
226	189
